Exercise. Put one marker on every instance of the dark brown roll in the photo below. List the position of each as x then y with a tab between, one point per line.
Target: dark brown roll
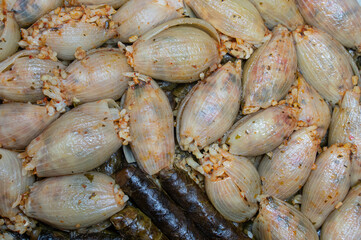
187	194
165	214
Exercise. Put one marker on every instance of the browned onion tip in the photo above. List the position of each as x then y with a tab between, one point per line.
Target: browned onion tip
232	183
167	53
209	109
279	12
9	34
137	17
20	75
328	183
74	201
65	29
346	128
12	184
340	18
151	124
80	140
270	72
325	63
95	75
314	109
22	122
261	132
239	22
279	220
285	173
345	222
27	12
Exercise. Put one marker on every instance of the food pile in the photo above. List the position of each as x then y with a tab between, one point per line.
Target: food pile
172	119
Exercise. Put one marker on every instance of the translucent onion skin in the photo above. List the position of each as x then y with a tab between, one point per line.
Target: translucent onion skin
344	223
74	201
80	140
137	17
340	18
20	76
210	108
276	12
12	183
270	72
114	3
234	18
97	76
287	170
314	109
234	193
324	63
21	122
328	184
76	28
263	131
10	35
151	126
279	220
173	56
345	128
28	11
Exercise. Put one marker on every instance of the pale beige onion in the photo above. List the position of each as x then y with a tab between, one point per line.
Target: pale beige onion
75	201
167	53
209	109
346	128
114	3
344	223
314	109
234	18
151	126
279	220
97	76
137	17
232	186
328	184
194	22
279	12
346	118
73	36
340	18
263	131
26	12
67	33
80	140
285	173
270	72
9	35
20	76
21	122
12	183
324	63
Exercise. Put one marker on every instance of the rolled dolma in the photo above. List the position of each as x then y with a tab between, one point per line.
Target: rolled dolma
115	163
132	224
187	194
165	214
